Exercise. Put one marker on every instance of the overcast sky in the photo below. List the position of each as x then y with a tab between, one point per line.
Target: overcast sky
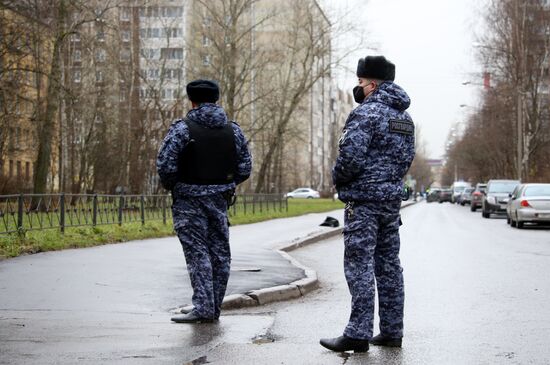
431	44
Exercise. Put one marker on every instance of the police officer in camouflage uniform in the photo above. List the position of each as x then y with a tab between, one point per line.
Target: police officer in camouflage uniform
201	160
375	151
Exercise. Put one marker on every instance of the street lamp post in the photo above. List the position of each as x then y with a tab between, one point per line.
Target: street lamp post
520	136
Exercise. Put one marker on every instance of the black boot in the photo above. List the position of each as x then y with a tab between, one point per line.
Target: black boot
343	343
191	317
382	340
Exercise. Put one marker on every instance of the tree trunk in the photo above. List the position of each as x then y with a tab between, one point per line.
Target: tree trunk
42	167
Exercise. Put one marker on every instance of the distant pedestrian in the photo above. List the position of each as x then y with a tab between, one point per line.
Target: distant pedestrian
202	159
375	151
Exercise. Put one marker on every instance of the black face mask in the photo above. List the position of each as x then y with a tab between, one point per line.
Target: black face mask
358	94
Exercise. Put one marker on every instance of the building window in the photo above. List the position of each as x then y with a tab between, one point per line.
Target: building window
172	73
125	14
101	55
169	94
77	76
171	11
206	60
172	53
153	73
18	137
75	37
150	53
173	32
125	35
100	36
125	55
152	12
99	76
11	169
19	169
77	55
1	167
17	105
205	41
27	170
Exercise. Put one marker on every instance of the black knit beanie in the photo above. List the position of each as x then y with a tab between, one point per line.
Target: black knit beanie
376	67
203	91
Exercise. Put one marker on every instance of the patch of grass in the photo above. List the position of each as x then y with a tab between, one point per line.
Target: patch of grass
296	207
13	245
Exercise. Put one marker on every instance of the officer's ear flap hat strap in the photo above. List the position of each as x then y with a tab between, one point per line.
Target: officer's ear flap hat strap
376	67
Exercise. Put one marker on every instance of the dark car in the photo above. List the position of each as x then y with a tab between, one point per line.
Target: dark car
477	196
433	195
497	196
445	195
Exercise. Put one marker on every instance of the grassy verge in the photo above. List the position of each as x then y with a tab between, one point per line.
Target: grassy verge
50	240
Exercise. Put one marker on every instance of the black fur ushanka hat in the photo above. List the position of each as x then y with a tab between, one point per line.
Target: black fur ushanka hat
203	91
376	67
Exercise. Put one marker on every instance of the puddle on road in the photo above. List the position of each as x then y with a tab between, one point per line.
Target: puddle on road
508	355
344	355
201	360
264	338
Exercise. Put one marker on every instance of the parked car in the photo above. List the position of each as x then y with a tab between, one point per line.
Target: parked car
497	196
529	203
465	197
477	196
307	193
445	195
433	195
457	189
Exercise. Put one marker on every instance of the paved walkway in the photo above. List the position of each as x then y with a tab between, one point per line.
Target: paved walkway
150	274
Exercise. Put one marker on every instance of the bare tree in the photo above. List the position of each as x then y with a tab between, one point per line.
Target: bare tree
304	52
517	48
420	170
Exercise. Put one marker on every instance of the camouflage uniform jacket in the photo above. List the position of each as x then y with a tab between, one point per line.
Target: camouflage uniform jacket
374	157
212	116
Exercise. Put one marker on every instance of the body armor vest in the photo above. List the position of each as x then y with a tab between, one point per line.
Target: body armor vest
210	157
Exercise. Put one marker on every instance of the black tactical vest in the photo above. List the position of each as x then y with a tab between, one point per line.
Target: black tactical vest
210	157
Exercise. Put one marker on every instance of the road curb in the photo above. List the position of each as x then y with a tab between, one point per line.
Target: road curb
293	290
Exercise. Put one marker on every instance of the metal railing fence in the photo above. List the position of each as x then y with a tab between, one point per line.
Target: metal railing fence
259	203
27	212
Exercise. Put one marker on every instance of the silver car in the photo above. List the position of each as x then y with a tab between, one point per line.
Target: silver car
529	203
303	193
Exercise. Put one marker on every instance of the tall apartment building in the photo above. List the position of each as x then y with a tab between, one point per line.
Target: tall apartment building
24	60
261	55
125	69
126	72
158	32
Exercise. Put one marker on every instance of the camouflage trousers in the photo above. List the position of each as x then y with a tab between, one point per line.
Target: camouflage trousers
371	240
202	228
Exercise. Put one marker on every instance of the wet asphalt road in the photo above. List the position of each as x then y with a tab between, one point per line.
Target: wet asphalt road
477	292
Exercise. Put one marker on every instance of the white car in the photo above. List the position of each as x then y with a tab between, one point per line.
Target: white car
306	193
529	203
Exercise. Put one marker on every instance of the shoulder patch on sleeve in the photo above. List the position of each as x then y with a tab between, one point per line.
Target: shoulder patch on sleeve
402	126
